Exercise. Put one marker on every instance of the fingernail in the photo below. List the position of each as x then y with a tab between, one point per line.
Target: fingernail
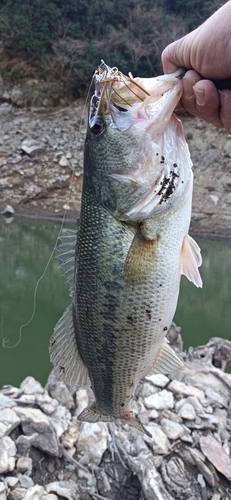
221	95
188	85
200	96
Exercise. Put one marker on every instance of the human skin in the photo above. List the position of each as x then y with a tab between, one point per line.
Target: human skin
206	55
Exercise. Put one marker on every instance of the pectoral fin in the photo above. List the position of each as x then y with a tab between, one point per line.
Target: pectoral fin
64	354
191	260
167	361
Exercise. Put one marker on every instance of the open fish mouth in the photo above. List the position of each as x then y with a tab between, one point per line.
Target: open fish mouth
114	89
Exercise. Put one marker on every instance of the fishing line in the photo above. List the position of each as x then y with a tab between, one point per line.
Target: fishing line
5	340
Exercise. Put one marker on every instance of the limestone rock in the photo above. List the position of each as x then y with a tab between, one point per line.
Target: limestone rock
32	147
214	452
47	404
158	379
160	401
70	437
26	481
7	454
24	443
8	421
34	493
60	419
173	430
159	441
58	390
66	489
31	386
64	162
18	493
35	422
93	440
11	481
2	491
5	401
50	496
187	412
24	465
187	390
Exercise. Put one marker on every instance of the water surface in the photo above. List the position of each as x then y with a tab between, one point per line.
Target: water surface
25	248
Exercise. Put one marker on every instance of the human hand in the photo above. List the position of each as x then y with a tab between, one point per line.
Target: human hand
206	53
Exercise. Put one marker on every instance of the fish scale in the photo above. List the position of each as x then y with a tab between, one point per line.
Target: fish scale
132	244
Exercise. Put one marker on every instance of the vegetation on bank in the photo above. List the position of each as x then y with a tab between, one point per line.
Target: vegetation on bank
61	42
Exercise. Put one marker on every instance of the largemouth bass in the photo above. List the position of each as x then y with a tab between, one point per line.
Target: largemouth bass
132	244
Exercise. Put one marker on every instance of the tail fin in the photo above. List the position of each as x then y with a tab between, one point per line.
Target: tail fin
90	414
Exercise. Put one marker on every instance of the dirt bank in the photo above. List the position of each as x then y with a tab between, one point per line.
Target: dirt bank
40	150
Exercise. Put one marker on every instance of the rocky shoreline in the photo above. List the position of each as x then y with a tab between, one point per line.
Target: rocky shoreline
41	165
46	454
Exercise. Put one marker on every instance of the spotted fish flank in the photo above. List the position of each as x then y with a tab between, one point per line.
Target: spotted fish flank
132	245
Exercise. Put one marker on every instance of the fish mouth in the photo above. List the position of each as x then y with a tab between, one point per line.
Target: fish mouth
113	89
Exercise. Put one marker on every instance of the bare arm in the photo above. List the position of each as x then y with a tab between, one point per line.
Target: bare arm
206	53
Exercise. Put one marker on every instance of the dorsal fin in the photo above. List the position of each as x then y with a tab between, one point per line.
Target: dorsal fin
66	253
191	260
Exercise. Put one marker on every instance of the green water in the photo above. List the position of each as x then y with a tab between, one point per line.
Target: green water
25	248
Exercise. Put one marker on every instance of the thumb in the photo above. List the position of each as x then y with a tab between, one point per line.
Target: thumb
169	58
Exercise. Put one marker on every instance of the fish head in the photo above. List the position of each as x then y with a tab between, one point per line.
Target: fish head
136	157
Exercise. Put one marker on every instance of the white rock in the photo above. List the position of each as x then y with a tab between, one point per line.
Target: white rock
66	489
218	398
159	440
18	493
158	379
187	390
160	401
26	399
60	419
93	440
214	198
46	403
8	421
32	147
50	496
26	481
70	437
11	481
186	438
7	454
64	162
173	430
194	401
153	414
9	210
24	465
187	411
31	386
36	422
82	400
34	493
6	401
2	491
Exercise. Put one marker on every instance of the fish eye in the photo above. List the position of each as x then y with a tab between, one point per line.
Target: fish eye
97	127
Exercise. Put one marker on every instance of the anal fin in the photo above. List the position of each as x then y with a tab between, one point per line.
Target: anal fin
64	354
167	361
191	260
